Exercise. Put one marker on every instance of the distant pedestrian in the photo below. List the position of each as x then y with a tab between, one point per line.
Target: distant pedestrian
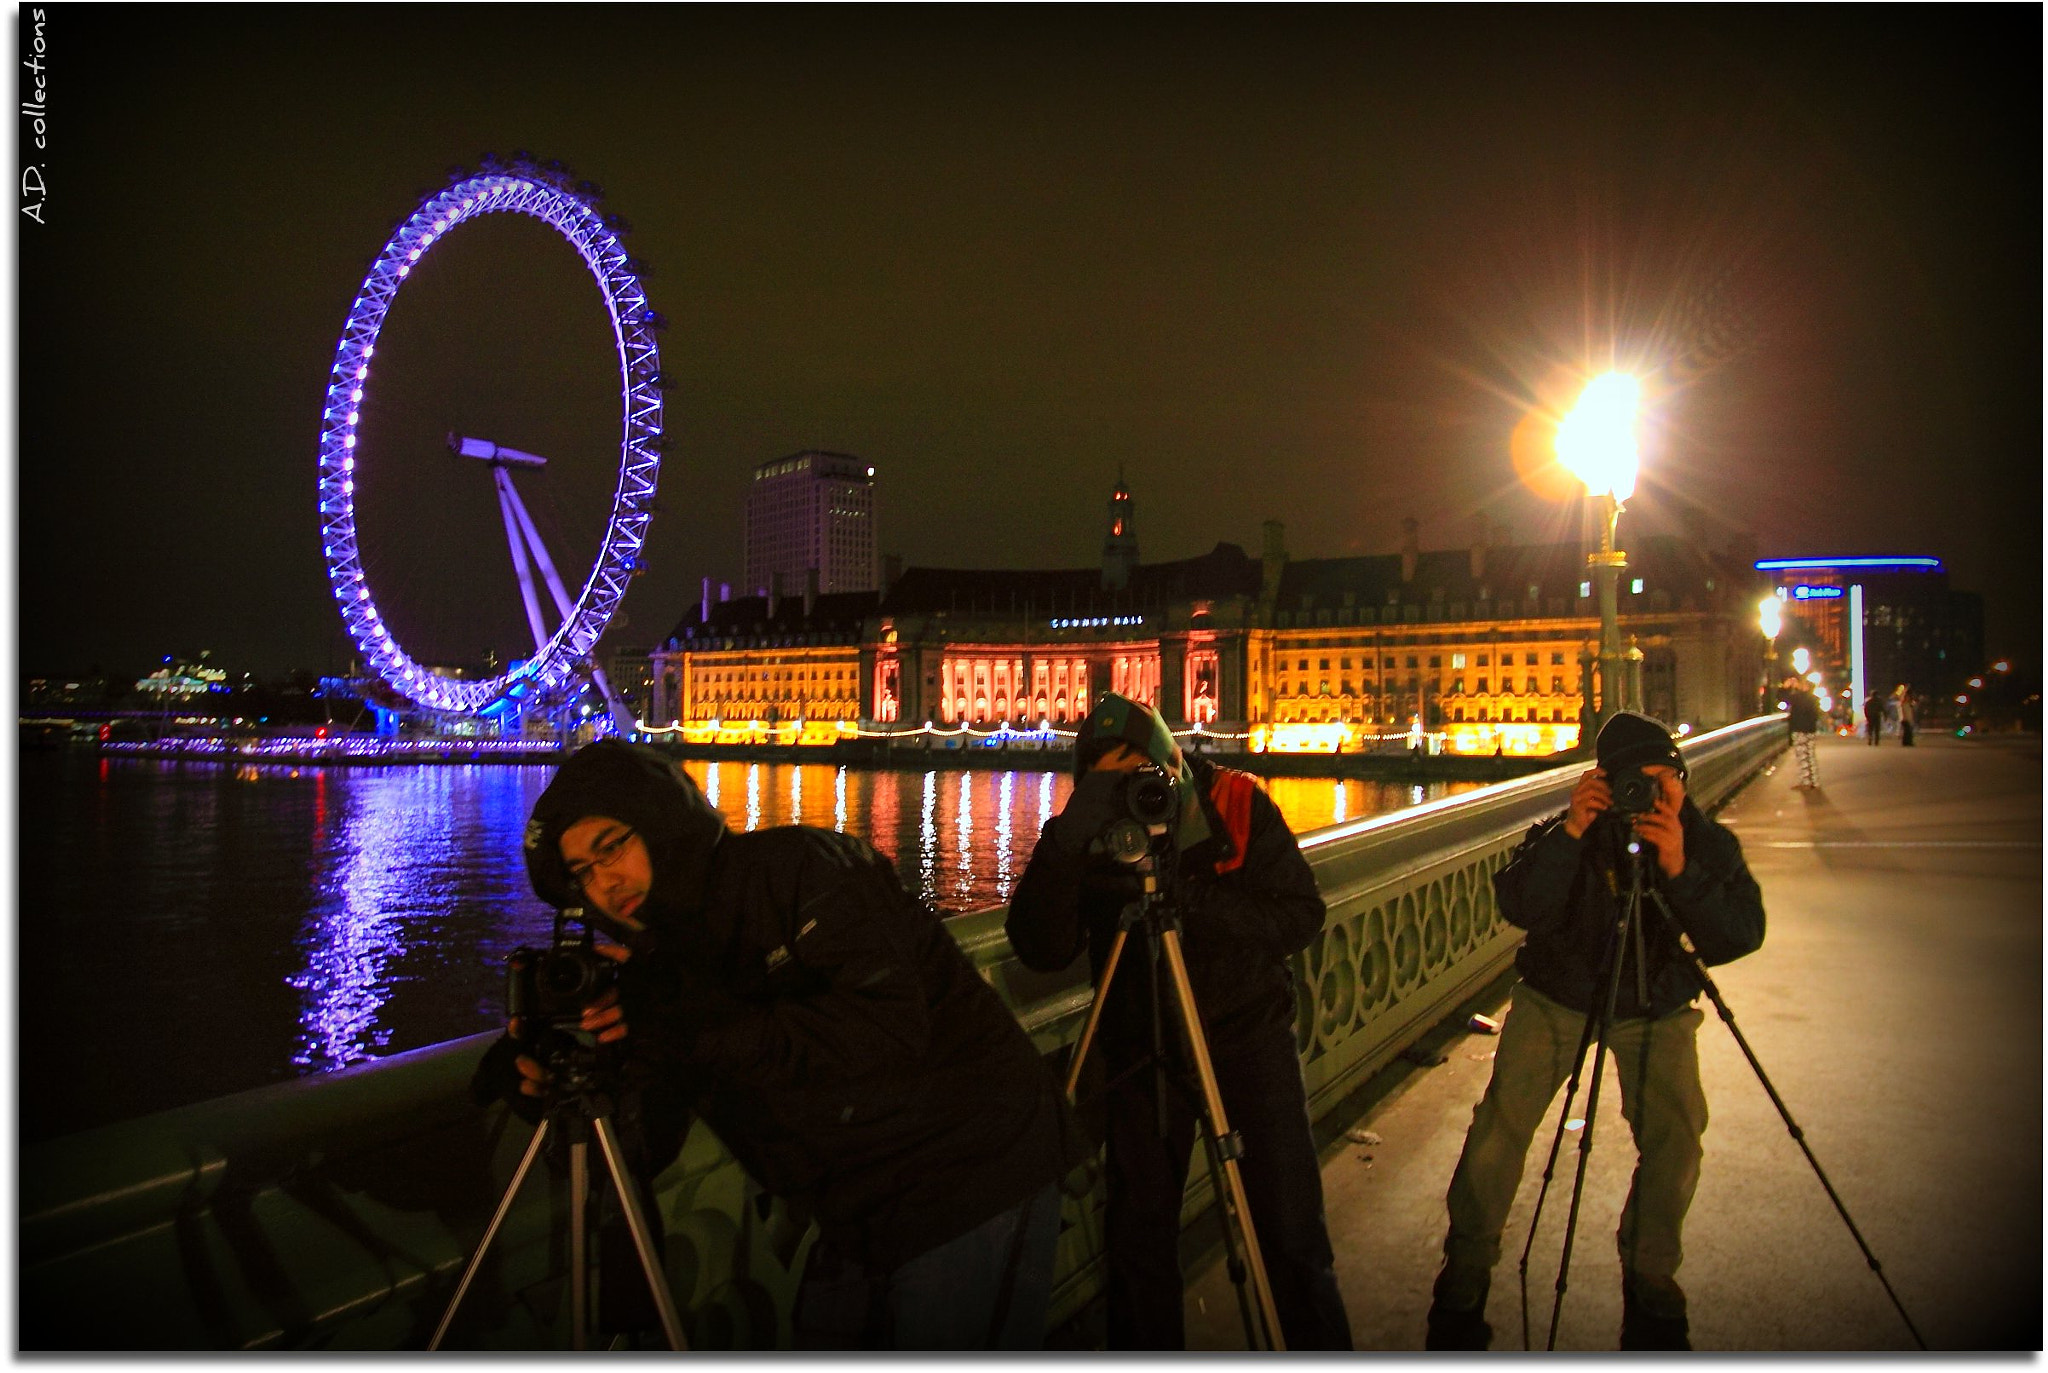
1904	698
1804	709
1873	717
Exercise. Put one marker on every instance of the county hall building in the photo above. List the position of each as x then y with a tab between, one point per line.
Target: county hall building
1486	647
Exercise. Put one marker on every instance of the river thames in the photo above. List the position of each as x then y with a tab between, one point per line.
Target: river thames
191	929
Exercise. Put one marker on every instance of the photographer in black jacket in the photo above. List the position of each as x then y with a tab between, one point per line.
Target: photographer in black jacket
785	987
1246	901
1562	886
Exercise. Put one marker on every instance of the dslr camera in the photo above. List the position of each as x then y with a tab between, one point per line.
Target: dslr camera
1147	802
551	986
1634	792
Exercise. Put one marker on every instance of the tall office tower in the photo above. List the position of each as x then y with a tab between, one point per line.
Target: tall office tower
811	510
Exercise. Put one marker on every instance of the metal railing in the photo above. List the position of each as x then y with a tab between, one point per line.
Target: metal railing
336	1212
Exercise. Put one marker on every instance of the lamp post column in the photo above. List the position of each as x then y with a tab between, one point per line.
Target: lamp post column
1607	565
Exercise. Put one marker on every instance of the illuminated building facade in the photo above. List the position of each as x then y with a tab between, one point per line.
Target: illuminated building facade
1491	646
812	513
1915	629
746	669
1481	649
985	648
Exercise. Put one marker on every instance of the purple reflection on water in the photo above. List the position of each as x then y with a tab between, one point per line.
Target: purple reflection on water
397	865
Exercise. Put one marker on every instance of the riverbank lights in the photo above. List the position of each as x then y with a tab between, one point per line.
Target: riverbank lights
1596	442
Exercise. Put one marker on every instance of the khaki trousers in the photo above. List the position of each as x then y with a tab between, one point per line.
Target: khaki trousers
1657	1063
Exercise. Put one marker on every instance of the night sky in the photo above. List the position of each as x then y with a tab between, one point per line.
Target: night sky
1329	266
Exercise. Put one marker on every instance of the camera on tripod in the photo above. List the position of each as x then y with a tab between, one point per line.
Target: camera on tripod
1147	800
551	986
1632	792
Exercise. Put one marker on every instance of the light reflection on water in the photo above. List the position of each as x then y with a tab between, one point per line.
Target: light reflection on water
277	920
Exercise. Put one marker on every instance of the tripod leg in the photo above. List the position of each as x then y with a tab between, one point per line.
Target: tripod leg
1233	1255
643	1235
1571	1222
579	1245
1116	952
1219	1132
1629	922
476	1260
1699	968
1571	1093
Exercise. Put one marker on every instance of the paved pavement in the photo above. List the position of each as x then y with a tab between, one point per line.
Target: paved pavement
1896	1007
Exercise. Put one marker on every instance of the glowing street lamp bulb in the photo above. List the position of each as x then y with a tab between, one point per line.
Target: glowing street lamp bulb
1802	661
1768	617
1597	441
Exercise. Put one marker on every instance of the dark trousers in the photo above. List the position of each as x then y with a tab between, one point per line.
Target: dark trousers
1258	1074
987	1289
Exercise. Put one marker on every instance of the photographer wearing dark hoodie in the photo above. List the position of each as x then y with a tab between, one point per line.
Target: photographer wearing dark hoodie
1246	901
1564	885
783	986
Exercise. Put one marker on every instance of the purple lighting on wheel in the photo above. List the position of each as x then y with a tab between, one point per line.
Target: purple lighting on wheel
572	216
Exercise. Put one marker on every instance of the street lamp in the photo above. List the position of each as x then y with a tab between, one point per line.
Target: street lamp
1770	619
1597	444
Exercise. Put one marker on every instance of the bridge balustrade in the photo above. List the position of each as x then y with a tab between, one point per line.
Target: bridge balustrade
337	1212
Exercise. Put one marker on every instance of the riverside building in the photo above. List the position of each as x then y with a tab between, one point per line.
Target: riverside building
1482	649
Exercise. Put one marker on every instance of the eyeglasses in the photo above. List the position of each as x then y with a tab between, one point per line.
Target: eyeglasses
603	856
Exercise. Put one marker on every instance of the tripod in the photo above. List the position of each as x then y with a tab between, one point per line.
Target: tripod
1153	918
580	1111
1627	934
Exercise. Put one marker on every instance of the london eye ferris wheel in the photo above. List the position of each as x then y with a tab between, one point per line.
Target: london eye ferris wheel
547	193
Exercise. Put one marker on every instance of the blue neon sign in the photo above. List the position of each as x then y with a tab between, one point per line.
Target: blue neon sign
1778	564
1816	593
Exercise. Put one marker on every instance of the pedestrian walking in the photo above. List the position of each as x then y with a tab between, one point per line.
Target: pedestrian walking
1803	708
1873	716
1905	704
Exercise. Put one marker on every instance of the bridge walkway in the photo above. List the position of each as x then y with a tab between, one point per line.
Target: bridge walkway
1896	1006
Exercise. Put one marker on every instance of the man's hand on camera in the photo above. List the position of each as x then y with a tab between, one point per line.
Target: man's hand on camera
603	1017
1589	799
1660	827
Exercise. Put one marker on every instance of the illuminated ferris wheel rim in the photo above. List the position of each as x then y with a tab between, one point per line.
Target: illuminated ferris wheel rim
574	215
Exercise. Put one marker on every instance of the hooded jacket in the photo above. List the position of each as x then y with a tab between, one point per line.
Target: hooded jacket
1242	914
819	1019
1566	893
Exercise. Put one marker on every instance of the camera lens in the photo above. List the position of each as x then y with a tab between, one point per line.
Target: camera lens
1634	792
568	979
1149	798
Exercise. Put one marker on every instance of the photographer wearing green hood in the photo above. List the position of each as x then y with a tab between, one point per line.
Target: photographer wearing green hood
1246	901
784	987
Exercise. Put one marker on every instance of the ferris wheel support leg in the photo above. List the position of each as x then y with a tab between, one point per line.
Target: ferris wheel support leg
622	715
540	550
508	502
